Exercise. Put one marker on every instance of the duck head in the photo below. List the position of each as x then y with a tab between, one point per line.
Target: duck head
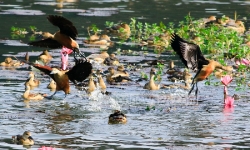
27	135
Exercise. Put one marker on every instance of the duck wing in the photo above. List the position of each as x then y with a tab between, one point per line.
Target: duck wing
46	69
121	78
49	43
66	26
80	71
189	53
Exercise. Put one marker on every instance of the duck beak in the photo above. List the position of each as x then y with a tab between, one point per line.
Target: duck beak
30	138
53	72
105	72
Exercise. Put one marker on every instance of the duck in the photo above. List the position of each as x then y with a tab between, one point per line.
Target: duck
99	40
45	57
162	40
98	57
209	19
27	57
117	118
9	62
186	86
79	72
24	139
191	56
151	84
100	80
52	85
172	70
180	76
237	26
32	96
66	36
111	60
91	84
218	21
31	81
187	76
121	29
156	62
113	78
121	71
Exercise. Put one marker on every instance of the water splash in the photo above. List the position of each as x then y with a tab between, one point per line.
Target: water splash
101	102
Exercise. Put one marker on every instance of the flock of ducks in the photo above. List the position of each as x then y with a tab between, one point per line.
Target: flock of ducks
189	53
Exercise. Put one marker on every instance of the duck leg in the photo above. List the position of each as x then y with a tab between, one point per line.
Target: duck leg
63	101
50	97
191	89
196	92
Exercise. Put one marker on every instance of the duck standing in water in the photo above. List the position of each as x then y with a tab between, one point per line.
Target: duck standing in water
101	82
117	118
190	54
151	84
65	37
91	84
24	139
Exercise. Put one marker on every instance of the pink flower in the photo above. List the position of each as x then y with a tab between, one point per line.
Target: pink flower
46	148
66	50
226	80
245	61
225	92
229	102
64	59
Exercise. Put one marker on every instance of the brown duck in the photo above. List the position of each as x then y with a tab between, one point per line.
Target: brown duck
191	56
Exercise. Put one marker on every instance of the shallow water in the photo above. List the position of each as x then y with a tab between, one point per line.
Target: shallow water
80	121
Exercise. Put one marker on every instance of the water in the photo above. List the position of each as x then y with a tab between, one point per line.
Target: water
80	121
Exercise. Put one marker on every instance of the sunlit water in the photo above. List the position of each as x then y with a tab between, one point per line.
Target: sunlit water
80	121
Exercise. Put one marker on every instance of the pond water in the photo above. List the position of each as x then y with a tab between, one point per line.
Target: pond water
80	121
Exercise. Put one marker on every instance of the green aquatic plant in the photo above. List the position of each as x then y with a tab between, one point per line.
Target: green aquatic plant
33	28
109	24
17	30
159	72
148	108
144	75
93	28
